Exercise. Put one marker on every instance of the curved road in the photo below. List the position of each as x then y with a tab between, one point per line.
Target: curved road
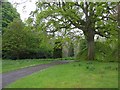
10	77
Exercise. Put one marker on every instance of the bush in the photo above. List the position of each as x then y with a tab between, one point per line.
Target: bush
19	42
103	51
82	54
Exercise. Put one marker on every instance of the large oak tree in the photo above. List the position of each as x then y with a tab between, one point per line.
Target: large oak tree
93	18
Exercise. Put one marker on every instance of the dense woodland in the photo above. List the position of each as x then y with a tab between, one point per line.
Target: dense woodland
83	30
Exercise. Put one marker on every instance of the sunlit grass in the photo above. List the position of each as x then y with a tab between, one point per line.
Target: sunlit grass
73	75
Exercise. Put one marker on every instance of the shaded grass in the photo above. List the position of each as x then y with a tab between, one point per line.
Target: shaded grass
10	65
73	75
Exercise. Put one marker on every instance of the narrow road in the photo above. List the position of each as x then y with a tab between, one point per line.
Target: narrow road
10	77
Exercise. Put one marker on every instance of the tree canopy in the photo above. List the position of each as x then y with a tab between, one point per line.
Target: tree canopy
9	13
57	26
93	18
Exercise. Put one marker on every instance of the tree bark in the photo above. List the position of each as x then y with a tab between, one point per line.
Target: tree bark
91	45
118	31
89	31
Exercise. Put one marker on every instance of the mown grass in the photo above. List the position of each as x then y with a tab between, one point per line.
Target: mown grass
10	65
73	75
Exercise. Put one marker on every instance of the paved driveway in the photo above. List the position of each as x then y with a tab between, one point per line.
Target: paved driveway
10	77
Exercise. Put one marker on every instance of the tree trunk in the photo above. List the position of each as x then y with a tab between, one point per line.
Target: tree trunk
118	31
91	45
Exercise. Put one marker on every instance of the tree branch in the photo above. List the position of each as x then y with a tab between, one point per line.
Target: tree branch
108	18
100	34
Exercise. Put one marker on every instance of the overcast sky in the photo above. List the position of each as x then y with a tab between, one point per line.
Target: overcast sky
29	6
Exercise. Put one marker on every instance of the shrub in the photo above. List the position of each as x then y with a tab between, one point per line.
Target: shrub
103	51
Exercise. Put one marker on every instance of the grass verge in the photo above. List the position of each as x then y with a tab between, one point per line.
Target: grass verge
10	65
73	75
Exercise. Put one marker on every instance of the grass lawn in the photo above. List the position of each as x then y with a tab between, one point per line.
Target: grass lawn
73	75
10	65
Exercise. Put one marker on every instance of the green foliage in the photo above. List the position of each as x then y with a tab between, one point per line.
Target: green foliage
22	40
9	13
66	58
53	21
57	53
0	31
14	39
104	51
19	41
95	18
113	54
82	50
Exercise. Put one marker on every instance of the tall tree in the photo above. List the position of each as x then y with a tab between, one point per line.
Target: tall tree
119	30
9	13
0	17
14	41
90	17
